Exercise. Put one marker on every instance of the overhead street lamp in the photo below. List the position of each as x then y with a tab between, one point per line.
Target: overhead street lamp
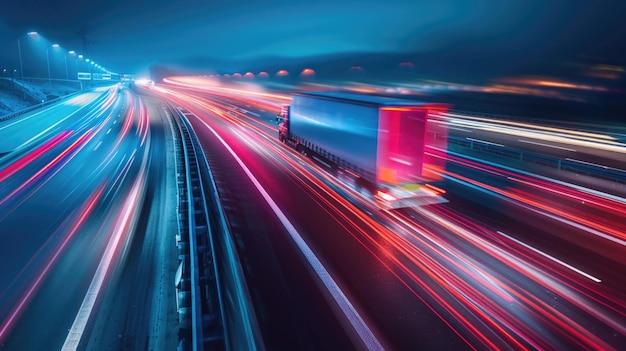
19	52
55	46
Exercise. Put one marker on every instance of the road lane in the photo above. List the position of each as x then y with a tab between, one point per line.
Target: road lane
139	306
56	228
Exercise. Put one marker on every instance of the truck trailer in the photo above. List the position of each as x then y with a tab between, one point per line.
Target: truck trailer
384	145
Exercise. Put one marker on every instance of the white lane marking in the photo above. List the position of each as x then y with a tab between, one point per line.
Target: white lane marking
586	275
109	131
121	226
97	146
546	145
357	322
595	164
484	142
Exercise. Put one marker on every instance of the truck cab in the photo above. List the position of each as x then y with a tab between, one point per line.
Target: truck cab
283	114
282	118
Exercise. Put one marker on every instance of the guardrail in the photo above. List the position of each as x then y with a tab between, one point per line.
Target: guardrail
222	316
203	328
561	164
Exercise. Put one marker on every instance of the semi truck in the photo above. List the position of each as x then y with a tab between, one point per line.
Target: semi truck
385	147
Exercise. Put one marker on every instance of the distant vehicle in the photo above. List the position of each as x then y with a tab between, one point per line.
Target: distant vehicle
377	143
144	82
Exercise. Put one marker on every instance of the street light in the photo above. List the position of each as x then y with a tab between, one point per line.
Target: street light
55	46
19	52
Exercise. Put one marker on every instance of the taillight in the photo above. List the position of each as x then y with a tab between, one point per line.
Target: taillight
434	189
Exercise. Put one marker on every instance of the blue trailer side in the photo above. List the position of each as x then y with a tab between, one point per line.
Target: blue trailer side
345	131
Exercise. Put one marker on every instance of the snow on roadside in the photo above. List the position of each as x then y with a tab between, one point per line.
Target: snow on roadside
12	101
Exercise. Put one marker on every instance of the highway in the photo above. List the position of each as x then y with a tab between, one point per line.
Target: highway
527	252
521	257
74	180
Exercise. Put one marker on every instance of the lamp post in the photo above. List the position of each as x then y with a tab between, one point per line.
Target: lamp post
79	57
90	71
71	53
55	46
19	52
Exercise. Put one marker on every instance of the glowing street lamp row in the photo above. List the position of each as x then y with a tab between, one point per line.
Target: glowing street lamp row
309	72
279	73
55	46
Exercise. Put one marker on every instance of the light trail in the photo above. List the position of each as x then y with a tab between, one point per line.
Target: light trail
27	159
406	270
103	106
473	120
509	305
586	275
82	214
356	321
77	139
123	225
76	145
192	82
538	132
38	113
600	230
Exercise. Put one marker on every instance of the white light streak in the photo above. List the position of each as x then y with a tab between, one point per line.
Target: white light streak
357	322
586	275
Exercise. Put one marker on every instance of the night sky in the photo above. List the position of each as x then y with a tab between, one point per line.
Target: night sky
129	35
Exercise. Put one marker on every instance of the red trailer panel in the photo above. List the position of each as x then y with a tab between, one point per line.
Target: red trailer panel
401	144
